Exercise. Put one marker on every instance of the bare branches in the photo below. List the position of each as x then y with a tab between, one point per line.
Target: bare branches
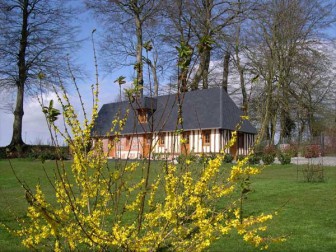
35	37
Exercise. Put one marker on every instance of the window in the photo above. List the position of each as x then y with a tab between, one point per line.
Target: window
206	137
142	116
161	139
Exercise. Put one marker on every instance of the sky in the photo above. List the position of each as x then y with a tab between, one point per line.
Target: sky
35	130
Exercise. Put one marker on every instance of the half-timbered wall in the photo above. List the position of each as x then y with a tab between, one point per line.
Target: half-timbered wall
225	136
248	142
244	142
196	144
171	144
132	146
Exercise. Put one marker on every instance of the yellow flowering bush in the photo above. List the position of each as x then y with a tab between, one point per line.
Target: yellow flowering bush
99	207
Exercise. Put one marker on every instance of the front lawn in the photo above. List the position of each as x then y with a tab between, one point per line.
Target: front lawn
306	211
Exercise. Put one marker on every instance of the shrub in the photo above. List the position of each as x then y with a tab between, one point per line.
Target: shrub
3	153
268	159
312	151
228	158
126	208
182	158
202	159
43	152
284	158
254	159
293	150
240	157
313	173
269	154
157	156
47	152
285	153
270	150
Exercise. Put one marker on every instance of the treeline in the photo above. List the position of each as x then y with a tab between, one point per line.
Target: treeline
274	53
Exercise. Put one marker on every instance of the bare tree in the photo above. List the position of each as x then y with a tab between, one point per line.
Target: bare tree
35	38
179	39
285	32
247	7
125	23
211	18
226	65
312	91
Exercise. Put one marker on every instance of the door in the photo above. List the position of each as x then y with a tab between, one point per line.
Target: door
185	146
239	144
111	150
146	145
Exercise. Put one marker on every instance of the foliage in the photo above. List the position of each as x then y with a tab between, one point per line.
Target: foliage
268	159
189	158
254	159
270	150
159	156
98	207
228	158
42	152
285	153
3	153
284	158
312	151
313	173
292	150
203	158
269	154
48	153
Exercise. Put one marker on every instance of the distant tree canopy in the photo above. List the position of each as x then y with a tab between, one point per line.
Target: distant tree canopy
269	53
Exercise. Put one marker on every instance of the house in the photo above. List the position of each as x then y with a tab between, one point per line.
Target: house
209	117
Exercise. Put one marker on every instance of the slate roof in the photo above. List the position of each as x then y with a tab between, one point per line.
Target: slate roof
201	109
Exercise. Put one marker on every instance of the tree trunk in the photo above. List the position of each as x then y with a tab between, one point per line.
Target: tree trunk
226	70
301	130
242	83
18	116
18	112
206	69
183	80
205	45
240	68
156	80
243	90
267	111
139	64
183	70
203	70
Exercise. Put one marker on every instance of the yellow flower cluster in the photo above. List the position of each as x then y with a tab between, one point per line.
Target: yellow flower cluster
98	207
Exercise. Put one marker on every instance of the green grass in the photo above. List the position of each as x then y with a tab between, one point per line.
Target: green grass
306	211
